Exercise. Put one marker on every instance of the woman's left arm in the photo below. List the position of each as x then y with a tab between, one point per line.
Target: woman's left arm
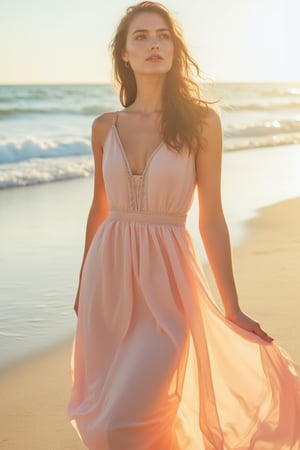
212	223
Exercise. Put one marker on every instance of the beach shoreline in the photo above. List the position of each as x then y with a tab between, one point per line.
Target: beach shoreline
35	393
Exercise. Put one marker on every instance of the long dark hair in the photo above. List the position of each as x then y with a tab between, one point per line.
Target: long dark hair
183	109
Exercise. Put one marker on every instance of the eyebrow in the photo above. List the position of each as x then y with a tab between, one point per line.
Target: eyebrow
145	31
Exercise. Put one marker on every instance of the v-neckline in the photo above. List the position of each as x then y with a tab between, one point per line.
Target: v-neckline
123	151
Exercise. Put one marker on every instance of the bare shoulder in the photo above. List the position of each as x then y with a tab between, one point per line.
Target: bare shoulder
101	126
211	132
212	120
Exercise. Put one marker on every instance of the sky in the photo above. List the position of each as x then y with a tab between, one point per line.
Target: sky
66	41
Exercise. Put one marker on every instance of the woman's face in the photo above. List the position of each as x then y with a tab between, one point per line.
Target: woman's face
149	46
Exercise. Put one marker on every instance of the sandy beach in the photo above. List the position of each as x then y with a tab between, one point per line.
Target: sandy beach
34	394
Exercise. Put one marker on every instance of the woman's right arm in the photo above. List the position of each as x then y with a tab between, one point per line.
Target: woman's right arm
99	207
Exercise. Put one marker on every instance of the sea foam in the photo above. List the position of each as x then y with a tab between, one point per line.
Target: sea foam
16	150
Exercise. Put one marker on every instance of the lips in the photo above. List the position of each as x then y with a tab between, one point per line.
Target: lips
154	58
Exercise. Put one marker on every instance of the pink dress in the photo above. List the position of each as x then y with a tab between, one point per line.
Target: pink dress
155	365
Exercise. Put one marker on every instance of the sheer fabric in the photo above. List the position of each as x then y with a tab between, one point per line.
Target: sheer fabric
155	365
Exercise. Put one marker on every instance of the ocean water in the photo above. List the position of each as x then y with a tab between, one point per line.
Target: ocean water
45	138
45	130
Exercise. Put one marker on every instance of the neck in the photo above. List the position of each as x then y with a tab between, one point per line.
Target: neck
149	94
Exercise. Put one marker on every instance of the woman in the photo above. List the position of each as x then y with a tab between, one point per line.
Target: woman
156	365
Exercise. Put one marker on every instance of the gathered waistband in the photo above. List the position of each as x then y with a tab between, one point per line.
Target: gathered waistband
148	217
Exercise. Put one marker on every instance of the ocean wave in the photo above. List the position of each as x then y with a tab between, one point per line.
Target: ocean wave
11	94
237	144
15	111
94	110
281	91
13	150
97	109
38	171
261	106
262	128
7	112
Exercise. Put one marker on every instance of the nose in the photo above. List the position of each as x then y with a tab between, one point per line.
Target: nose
154	43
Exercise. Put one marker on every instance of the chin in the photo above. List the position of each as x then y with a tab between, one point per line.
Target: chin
155	71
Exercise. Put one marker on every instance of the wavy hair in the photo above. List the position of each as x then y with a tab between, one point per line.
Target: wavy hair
183	110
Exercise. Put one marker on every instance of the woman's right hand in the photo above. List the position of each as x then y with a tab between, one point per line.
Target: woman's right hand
247	323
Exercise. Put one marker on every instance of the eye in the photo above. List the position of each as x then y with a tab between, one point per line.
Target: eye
164	36
140	37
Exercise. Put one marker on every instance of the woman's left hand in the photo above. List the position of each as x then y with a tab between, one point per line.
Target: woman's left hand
243	321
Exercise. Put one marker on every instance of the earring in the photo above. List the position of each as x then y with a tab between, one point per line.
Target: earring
126	64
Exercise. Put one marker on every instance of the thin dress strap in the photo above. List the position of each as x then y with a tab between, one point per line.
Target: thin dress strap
115	118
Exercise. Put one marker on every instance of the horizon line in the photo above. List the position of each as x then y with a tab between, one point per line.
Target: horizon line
95	83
